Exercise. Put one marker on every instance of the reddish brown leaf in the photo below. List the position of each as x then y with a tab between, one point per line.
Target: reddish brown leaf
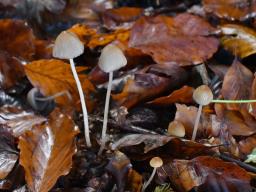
247	145
231	9
46	151
207	171
18	38
182	95
184	39
53	76
11	70
237	84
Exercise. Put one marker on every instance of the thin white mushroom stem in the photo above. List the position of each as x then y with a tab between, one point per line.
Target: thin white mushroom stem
149	180
197	122
82	99
105	119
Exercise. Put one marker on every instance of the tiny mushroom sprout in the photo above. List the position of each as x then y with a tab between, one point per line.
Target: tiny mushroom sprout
155	162
203	96
68	46
111	59
176	128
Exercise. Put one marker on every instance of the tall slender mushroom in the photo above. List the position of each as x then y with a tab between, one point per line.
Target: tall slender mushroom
68	46
155	162
111	59
203	96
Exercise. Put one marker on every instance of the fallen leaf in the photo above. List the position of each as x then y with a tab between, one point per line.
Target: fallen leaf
134	181
46	151
184	39
237	84
18	39
18	121
247	145
182	95
54	76
239	40
231	9
11	70
211	173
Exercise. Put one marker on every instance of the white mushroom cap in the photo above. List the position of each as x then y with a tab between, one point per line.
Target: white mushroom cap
67	46
156	162
111	59
203	95
176	128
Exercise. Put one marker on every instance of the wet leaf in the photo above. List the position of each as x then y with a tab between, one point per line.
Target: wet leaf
184	39
211	173
11	70
54	76
231	9
239	40
46	151
18	121
237	84
182	95
18	38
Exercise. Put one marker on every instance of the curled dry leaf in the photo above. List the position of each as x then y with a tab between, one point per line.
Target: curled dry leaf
18	38
237	84
11	70
8	153
182	95
238	39
231	9
207	171
149	83
54	76
184	39
46	151
18	121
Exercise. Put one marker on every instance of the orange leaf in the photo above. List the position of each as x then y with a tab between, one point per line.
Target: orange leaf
46	151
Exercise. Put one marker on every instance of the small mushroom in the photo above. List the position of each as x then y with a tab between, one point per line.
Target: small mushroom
155	162
203	96
68	46
176	128
111	59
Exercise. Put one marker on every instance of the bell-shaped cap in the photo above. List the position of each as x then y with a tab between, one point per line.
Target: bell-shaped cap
203	95
177	129
111	59
67	46
156	162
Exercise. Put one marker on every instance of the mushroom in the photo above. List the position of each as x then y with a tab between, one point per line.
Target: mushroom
203	96
176	128
111	59
155	162
68	46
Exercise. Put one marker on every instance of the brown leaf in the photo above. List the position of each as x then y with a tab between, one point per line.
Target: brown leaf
237	84
11	70
18	121
53	76
182	95
149	83
134	181
184	39
187	174
247	145
230	9
46	151
18	38
239	40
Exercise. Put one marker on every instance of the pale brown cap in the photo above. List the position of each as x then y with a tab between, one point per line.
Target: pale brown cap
67	46
176	128
203	95
156	162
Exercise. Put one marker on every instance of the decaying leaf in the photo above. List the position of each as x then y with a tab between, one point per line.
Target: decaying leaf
238	39
11	70
184	39
54	76
237	84
46	151
231	9
211	173
18	121
18	38
182	95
